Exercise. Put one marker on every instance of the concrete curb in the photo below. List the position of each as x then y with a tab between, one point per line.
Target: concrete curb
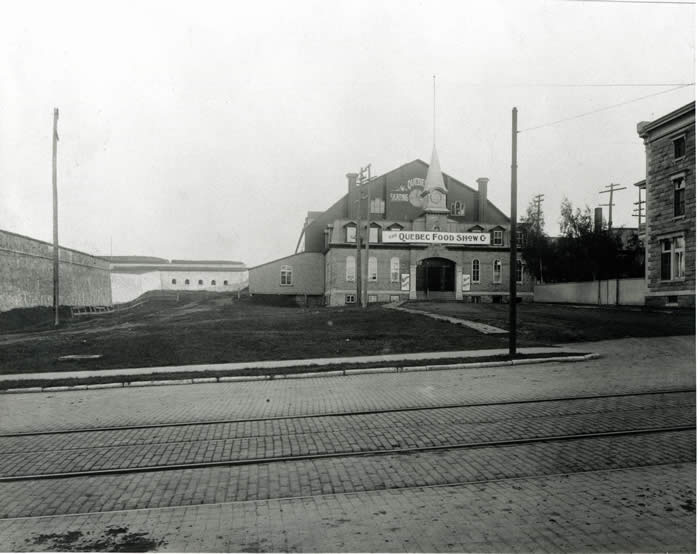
309	375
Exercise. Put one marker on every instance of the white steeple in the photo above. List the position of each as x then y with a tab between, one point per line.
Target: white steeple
434	192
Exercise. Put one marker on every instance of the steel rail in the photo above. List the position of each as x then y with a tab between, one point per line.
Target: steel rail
347	454
341	414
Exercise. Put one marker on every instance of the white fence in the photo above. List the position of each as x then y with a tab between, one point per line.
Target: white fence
609	292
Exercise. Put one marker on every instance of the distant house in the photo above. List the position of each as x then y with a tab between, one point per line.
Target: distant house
132	276
670	208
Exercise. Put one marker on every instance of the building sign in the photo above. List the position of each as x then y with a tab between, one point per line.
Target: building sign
405	281
437	237
466	282
410	192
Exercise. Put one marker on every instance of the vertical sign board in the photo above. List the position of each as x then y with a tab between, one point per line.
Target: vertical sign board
405	281
466	282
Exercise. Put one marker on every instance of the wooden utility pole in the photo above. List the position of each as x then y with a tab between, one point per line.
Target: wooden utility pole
55	219
513	234
366	177
538	200
610	189
639	209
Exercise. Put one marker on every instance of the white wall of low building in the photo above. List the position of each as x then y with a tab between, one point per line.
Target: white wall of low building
217	281
127	286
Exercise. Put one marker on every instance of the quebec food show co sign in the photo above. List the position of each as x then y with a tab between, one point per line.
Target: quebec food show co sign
436	237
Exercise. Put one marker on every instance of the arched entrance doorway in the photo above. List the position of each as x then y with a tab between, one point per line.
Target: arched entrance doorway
435	278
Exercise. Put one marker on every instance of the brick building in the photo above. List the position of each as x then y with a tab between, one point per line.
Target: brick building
670	207
430	237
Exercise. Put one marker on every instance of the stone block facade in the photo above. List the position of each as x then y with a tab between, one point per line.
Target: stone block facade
26	275
670	208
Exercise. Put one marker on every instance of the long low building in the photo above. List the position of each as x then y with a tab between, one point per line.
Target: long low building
430	237
134	275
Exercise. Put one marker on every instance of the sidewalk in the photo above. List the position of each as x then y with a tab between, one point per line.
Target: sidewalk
384	359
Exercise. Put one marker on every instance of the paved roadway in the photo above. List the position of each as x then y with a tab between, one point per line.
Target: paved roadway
487	467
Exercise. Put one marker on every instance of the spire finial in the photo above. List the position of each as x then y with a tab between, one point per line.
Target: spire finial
433	111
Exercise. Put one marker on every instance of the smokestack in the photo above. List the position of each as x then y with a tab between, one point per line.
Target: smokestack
352	185
483	194
598	220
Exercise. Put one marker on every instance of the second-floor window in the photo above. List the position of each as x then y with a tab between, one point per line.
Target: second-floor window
286	275
374	234
678	196
377	206
498	238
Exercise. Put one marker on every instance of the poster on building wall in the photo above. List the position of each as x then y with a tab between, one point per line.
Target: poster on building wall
436	237
466	282
409	192
405	281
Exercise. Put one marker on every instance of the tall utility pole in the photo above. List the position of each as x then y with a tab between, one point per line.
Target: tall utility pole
610	189
55	219
538	200
513	234
362	179
366	177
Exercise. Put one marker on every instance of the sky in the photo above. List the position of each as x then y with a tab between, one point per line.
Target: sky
207	130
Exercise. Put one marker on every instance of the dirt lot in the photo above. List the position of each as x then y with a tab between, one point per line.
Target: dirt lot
214	328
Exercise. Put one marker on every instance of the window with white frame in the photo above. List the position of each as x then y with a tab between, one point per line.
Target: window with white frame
350	233
497	271
372	298
286	275
349	298
678	196
394	267
497	237
350	268
519	271
476	271
372	268
457	208
374	234
377	206
673	258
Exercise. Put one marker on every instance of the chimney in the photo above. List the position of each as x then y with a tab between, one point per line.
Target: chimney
598	220
483	188
352	185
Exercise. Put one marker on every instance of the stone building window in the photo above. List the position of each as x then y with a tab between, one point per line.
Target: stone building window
174	281
286	275
213	283
225	282
673	259
497	237
350	268
394	269
187	281
678	196
200	282
349	298
476	271
497	271
679	147
372	268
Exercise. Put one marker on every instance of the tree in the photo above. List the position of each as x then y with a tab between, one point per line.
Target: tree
537	247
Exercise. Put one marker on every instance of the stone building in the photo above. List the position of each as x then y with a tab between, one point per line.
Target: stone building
670	208
430	237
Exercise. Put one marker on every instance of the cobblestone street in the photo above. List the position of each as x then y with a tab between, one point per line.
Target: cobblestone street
592	456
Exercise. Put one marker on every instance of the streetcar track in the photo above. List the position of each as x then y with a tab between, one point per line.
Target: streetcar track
462	421
379	452
340	414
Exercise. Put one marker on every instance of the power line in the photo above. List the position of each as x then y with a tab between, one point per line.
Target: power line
604	108
635	1
575	85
